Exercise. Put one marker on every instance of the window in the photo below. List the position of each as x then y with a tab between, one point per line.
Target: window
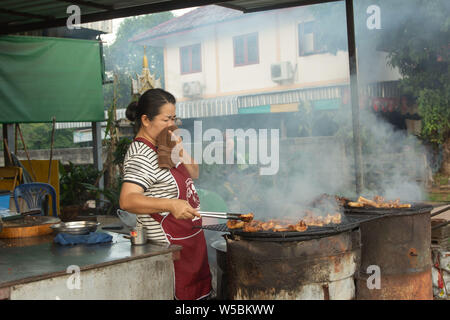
308	41
246	49
191	59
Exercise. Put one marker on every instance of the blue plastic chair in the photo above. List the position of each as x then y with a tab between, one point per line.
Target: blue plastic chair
34	196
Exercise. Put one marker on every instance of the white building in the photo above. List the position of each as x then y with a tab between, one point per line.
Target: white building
219	61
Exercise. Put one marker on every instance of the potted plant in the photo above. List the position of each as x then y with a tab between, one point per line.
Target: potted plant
73	192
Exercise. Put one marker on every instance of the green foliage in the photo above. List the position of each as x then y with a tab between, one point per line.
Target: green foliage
38	136
418	46
73	179
124	58
435	111
111	195
121	150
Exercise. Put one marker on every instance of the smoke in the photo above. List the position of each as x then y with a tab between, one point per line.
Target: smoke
318	157
320	160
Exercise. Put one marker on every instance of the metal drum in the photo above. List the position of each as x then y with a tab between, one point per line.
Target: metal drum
399	244
319	269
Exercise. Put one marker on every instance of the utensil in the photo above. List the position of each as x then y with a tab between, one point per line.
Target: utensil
75	227
222	215
138	236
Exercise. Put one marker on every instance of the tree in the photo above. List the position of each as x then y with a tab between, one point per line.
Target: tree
418	45
38	136
124	58
415	35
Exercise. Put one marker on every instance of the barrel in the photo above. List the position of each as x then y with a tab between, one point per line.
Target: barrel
319	269
397	249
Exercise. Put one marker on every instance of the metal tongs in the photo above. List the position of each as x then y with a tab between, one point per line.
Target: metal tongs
223	215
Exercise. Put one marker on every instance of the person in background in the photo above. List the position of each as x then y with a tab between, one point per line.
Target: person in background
165	200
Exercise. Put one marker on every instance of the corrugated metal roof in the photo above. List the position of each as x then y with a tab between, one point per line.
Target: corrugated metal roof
120	114
26	15
290	96
202	16
221	106
224	106
229	105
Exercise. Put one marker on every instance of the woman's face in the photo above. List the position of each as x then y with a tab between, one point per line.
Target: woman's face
164	119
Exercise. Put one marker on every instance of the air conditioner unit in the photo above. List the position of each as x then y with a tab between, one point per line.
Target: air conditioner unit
192	89
282	71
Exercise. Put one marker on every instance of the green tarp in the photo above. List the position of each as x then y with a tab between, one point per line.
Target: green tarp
42	77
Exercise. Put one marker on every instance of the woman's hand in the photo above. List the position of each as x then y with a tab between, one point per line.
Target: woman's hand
181	209
184	157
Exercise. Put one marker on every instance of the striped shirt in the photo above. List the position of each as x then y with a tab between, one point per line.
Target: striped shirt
141	167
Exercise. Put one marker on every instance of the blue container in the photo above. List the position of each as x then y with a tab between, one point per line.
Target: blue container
4	200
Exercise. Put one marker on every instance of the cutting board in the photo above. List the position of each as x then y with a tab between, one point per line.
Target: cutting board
29	226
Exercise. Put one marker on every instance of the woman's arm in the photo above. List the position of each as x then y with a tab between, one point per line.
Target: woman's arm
133	200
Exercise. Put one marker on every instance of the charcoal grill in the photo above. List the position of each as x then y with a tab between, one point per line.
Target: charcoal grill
399	244
313	232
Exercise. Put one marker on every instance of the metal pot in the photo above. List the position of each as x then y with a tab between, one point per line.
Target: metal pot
221	258
221	253
138	236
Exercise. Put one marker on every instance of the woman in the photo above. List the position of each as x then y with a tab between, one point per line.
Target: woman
165	200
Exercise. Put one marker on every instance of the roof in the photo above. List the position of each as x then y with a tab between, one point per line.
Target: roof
26	15
202	16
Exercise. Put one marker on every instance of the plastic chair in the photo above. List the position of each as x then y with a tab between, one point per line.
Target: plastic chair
34	195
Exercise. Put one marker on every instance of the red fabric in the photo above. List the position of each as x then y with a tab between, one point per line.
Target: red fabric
192	273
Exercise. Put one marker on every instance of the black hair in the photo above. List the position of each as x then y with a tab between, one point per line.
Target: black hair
149	104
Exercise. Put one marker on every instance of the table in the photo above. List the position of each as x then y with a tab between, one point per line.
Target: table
37	268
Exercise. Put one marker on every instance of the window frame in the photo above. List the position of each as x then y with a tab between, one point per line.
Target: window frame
300	37
190	58
245	37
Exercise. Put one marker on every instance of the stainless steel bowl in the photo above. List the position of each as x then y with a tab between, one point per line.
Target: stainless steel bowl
75	227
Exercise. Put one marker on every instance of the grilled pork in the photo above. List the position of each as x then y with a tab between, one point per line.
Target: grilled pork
378	202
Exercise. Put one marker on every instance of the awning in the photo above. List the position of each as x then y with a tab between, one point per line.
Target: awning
221	106
290	96
43	77
322	98
281	101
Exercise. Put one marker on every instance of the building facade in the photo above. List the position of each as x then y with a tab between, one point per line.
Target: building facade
219	61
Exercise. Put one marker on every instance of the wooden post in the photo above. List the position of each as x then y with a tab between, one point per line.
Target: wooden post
8	135
97	151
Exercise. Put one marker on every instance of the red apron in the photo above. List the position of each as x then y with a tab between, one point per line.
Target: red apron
192	273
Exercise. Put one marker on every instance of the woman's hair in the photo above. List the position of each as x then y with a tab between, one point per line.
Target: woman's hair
149	104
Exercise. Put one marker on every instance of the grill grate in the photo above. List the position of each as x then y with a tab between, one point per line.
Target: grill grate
416	208
313	232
